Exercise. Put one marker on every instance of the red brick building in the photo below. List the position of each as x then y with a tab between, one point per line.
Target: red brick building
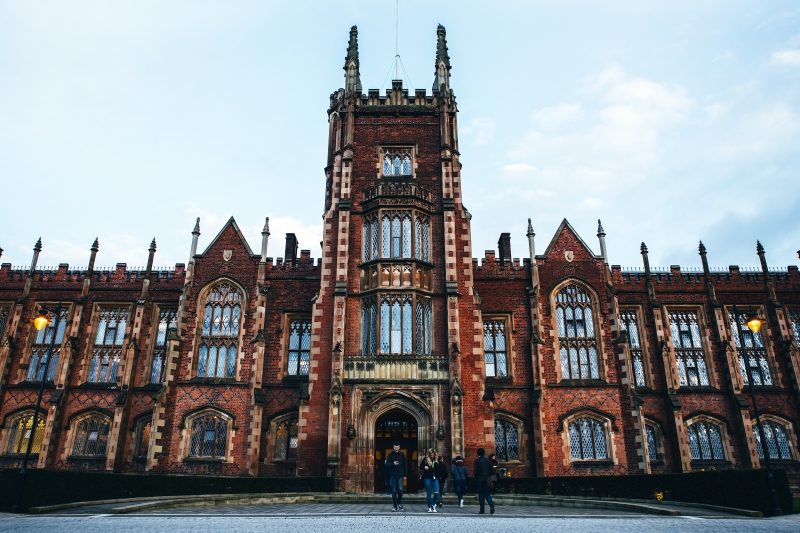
239	364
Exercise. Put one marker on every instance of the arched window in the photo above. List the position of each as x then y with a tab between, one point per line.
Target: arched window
286	439
705	440
397	162
167	321
685	329
299	347
209	438
587	439
494	348
576	337
41	347
142	442
755	349
777	440
630	323
506	440
21	430
220	336
91	436
651	432
108	342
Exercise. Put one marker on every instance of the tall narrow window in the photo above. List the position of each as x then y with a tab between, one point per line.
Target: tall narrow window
286	440
219	340
386	237
299	347
688	348
5	311
397	324
142	444
374	239
397	238
494	348
777	441
587	440
41	346
652	442
630	324
108	342
794	318
22	431
209	437
369	326
506	441
705	441
167	321
426	229
91	436
423	326
576	337
756	352
367	241
387	165
407	236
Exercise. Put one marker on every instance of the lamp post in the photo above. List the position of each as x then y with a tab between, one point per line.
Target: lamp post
754	323
42	320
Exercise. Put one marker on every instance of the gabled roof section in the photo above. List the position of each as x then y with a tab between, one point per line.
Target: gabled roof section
232	223
565	225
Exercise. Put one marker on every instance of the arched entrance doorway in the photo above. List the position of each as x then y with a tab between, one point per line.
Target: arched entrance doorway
398	426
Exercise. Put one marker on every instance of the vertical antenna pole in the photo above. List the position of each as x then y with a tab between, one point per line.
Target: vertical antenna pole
397	45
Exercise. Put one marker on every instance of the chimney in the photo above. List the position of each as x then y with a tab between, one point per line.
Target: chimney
504	248
291	249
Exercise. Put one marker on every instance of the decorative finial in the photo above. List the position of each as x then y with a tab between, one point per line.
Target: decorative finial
759	248
153	245
643	248
95	245
701	248
530	229
441	47
351	64
38	246
441	80
196	230
265	231
600	231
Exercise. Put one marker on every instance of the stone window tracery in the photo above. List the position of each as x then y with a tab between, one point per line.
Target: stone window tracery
5	312
91	436
286	432
576	334
299	347
142	440
167	321
778	439
506	440
494	348
587	440
209	436
629	322
794	318
652	435
108	343
219	339
41	346
689	353
396	161
756	351
400	324
396	235
21	431
705	440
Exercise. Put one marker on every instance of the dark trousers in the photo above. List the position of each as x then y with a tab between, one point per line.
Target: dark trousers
484	493
396	483
460	486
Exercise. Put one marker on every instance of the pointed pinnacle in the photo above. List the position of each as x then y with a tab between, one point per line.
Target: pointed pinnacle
643	248
759	248
95	245
600	230
38	246
530	229
196	227
265	231
701	248
441	47
153	245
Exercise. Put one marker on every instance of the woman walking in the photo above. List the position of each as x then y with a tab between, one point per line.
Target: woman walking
427	472
460	474
441	474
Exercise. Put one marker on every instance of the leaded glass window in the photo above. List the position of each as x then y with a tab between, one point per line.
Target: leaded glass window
397	238
630	323
91	436
397	162
299	347
167	321
219	340
407	236
21	430
369	326
506	440
576	336
209	437
142	438
794	318
367	241
422	238
705	440
587	439
41	347
397	324
777	440
108	343
5	311
755	350
652	442
424	326
286	439
494	348
685	329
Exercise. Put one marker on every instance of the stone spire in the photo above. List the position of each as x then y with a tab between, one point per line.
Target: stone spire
712	294
352	76
441	79
601	235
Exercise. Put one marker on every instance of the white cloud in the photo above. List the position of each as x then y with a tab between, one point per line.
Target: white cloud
555	116
786	58
478	132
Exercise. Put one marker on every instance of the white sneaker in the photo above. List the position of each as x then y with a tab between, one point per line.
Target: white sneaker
430	509
434	508
461	503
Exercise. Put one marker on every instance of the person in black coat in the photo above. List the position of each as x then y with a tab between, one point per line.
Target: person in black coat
441	474
482	471
397	468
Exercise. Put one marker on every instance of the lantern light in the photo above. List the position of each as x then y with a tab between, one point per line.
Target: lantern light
42	319
754	322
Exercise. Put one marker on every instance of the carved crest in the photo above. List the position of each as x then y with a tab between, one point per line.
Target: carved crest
227	254
569	255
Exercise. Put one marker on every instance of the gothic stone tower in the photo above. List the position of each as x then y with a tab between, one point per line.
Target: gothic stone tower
395	324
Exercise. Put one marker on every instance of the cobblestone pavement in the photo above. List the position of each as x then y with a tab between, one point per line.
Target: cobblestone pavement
397	523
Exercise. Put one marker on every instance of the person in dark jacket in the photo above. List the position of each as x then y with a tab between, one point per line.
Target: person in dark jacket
493	477
482	471
460	473
397	468
441	474
427	473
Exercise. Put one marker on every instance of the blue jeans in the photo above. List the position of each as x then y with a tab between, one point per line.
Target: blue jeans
460	486
431	485
396	484
484	492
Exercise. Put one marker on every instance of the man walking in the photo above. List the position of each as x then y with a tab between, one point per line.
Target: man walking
397	468
482	471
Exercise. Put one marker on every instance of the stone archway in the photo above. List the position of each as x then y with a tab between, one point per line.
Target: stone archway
361	459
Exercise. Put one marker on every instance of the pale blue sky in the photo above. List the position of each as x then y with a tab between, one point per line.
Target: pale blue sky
671	121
